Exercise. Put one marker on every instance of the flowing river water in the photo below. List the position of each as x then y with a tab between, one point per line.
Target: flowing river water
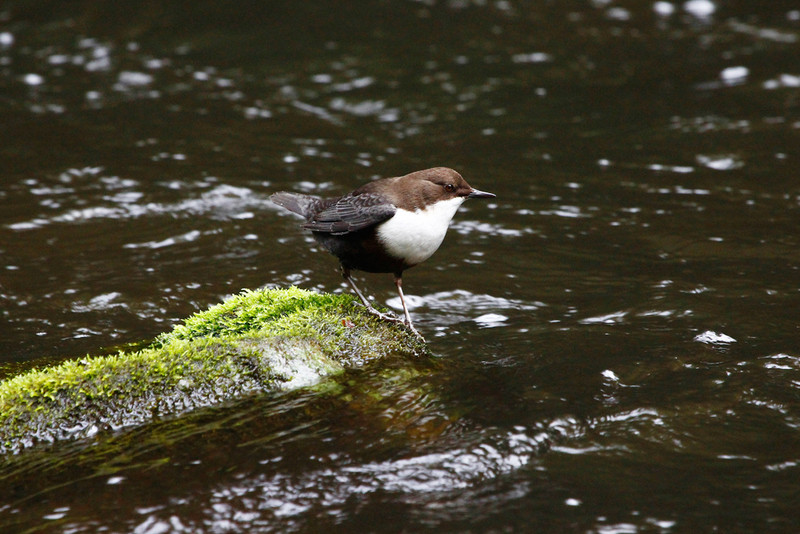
615	337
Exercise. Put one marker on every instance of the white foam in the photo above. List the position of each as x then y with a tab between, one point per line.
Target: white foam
713	338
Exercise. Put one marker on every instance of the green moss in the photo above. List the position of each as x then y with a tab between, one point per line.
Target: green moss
253	311
255	341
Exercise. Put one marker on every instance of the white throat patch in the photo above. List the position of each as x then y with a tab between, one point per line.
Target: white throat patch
415	235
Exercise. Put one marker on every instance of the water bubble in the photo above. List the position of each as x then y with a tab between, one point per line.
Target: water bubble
58	513
533	57
664	9
720	162
713	338
491	320
610	375
700	8
322	78
33	79
734	75
618	13
134	79
6	39
784	80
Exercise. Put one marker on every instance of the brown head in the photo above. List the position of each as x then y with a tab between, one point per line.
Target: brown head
417	190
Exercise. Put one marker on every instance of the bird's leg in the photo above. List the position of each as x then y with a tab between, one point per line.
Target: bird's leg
398	281
346	275
370	308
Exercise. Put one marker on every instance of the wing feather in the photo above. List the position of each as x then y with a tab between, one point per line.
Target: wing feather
352	213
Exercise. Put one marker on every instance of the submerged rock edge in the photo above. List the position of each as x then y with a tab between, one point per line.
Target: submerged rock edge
256	341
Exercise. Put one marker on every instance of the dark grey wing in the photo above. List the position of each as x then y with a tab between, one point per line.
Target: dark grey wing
352	213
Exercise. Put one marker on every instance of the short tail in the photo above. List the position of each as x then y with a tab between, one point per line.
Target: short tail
304	205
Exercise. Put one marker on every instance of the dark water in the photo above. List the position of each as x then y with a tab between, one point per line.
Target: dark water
616	335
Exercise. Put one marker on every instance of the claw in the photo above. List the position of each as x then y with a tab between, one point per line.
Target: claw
414	331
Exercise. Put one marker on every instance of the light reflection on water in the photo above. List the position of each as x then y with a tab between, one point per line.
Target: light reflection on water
446	471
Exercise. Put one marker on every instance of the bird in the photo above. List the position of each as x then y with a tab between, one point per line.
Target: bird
385	226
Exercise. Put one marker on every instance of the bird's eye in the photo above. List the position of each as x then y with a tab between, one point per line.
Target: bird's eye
449	188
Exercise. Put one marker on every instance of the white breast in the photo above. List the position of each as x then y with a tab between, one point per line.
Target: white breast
415	235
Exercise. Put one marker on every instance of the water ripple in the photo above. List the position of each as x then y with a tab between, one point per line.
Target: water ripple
223	201
288	497
449	307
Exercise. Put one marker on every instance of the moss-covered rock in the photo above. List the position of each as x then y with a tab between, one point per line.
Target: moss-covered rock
264	340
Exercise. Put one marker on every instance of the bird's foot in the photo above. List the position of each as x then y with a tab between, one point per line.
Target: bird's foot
414	331
392	318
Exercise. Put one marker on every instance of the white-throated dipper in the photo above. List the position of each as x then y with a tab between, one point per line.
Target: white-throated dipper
385	226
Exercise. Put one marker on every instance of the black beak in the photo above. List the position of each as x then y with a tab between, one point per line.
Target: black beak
480	194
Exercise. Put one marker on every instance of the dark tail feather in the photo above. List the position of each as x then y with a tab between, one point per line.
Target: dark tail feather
295	202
